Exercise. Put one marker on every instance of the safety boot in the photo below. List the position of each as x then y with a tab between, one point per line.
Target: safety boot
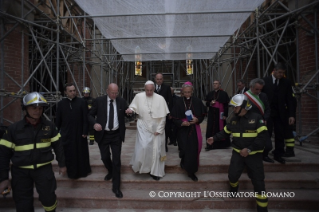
289	152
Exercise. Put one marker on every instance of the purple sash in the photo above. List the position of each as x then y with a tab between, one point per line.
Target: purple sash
220	106
199	138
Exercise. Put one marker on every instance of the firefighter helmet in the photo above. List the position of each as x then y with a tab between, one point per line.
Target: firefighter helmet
240	100
86	90
33	98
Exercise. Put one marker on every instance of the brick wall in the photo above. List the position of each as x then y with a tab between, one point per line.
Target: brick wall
307	58
12	65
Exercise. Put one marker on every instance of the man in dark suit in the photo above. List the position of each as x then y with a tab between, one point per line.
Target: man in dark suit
279	93
241	86
109	127
165	91
260	105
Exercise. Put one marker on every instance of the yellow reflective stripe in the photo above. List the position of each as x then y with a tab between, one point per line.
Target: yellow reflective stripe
261	129
233	184
290	140
225	129
259	196
38	165
24	147
251	153
30	146
55	138
6	143
245	135
50	208
32	100
236	134
43	145
290	144
262	204
249	135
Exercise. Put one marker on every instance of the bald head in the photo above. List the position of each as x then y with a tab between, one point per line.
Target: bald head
112	90
159	79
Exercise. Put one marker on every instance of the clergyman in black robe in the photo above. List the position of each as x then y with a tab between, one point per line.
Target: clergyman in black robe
189	133
217	102
71	120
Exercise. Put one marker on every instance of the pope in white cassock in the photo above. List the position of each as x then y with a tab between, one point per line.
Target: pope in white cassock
149	155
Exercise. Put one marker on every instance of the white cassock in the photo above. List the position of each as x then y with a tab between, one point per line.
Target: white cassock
149	154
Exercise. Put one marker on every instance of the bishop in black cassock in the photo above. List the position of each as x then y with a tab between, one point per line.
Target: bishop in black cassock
216	111
190	139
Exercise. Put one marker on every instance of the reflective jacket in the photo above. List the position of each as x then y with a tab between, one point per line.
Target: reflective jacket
249	131
30	146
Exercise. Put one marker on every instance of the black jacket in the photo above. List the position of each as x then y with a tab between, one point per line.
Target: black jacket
249	131
99	109
245	89
30	147
286	106
166	92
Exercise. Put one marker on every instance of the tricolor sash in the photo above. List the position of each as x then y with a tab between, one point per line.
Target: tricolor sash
256	101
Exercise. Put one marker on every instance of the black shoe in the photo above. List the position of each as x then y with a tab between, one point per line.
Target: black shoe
108	176
233	192
289	154
268	159
280	160
117	193
182	166
208	148
170	143
193	177
91	142
155	177
175	144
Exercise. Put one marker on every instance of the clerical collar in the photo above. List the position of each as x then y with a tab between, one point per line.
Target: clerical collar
216	90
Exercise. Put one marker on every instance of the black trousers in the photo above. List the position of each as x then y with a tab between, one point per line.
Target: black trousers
23	181
255	170
268	146
112	140
275	123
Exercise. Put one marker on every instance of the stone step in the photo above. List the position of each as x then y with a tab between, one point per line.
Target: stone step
169	199
61	209
218	168
287	180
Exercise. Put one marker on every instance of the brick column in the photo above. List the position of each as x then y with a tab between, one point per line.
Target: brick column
307	61
13	66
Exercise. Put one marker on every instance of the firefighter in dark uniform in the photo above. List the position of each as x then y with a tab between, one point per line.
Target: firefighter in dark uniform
28	144
289	137
89	100
249	137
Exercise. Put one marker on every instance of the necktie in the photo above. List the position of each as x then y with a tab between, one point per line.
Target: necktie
276	82
158	88
111	115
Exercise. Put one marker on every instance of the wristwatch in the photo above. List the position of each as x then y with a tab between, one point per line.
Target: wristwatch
249	151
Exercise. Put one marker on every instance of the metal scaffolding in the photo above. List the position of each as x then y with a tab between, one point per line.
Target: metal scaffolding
64	45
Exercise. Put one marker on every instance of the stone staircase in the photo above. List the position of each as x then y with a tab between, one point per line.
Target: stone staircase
299	179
